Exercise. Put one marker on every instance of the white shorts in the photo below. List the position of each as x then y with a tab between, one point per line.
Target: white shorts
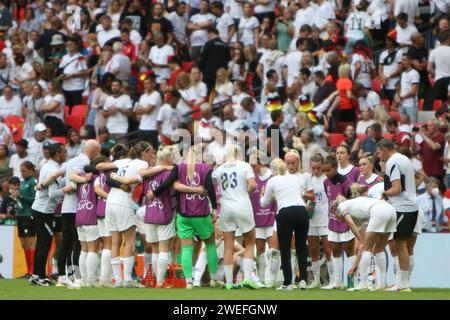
140	224
419	223
340	236
321	231
88	233
119	218
383	219
264	232
102	230
230	220
159	232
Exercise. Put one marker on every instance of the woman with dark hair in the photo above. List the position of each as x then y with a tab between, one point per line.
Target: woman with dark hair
26	229
362	67
75	144
237	67
23	71
95	120
5	170
53	109
29	23
352	142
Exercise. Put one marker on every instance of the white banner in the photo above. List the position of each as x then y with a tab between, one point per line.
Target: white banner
7	251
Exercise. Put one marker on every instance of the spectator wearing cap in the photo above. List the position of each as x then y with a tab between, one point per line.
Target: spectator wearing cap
58	49
148	109
179	19
439	66
21	156
10	104
36	143
74	73
159	57
404	30
389	66
120	64
43	46
46	146
169	117
198	27
106	32
116	110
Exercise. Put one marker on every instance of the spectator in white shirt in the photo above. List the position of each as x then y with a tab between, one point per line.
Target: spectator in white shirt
355	26
75	73
10	104
304	16
208	122
367	99
179	19
148	107
169	117
53	109
120	64
159	57
198	26
248	32
117	109
223	22
20	156
407	99
107	33
232	124
410	7
323	15
439	66
404	30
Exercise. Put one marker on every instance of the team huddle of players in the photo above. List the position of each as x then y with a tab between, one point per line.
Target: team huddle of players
231	224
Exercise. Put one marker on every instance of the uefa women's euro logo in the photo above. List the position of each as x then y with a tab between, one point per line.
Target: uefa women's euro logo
156	202
194	182
85	202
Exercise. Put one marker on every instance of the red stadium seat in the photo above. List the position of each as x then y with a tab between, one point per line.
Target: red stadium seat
388	136
187	66
80	110
336	139
395	115
436	104
66	111
61	140
376	85
75	122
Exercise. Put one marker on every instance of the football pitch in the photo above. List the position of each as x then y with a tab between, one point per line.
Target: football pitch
21	290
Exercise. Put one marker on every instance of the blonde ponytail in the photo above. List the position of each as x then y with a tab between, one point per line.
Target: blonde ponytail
358	190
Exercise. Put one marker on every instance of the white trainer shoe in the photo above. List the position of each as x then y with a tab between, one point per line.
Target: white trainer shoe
314	285
302	285
285	288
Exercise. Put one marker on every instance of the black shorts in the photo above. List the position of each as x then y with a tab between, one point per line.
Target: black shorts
406	222
26	227
58	224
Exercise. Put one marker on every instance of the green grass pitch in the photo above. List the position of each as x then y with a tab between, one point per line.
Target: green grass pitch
21	290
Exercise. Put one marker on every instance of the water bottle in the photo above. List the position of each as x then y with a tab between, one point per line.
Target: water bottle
350	283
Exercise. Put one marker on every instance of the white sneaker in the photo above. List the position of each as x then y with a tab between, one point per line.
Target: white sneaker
302	285
315	284
392	288
361	287
131	284
197	284
329	286
62	281
270	284
216	284
189	285
285	288
73	285
106	284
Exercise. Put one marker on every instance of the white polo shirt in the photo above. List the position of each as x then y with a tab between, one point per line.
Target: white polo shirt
148	120
118	122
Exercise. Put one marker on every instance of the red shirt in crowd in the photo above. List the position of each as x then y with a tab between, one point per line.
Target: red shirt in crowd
432	159
403	139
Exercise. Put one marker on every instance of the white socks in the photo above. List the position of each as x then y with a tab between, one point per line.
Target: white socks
115	263
364	266
105	274
274	256
411	266
91	266
330	268
338	266
147	262
200	267
163	261
404	280
82	265
248	267
381	264
397	271
155	257
262	267
54	266
128	264
228	273
315	268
